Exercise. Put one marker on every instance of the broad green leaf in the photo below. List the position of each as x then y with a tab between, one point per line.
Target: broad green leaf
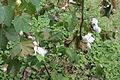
23	48
35	2
8	14
22	23
3	39
1	14
40	58
11	34
15	51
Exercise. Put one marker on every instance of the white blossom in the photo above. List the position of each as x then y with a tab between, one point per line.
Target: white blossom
88	45
35	43
39	50
31	37
63	8
88	38
97	29
95	26
35	50
18	2
4	69
94	21
71	1
21	33
66	5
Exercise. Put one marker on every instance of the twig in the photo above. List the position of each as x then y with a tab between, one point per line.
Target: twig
47	71
82	19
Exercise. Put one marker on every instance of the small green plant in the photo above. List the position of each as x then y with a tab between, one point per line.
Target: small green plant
58	40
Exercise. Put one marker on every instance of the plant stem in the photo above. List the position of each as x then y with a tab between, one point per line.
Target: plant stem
47	71
82	19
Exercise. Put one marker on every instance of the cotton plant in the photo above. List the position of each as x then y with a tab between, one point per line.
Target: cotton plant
88	39
94	25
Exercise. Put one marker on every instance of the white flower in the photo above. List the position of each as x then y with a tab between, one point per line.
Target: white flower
66	5
41	51
63	8
18	2
71	1
35	43
31	37
4	69
94	21
88	38
88	45
35	49
97	29
30	24
21	33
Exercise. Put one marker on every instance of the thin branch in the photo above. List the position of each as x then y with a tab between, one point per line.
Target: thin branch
82	19
47	71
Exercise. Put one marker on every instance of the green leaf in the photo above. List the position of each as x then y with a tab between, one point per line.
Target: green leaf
35	2
30	9
73	21
15	51
1	14
11	34
78	1
72	54
23	48
3	39
52	20
100	73
11	2
40	58
23	4
8	14
56	37
13	66
22	23
59	77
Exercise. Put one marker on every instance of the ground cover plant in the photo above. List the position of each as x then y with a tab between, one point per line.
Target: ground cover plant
59	40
